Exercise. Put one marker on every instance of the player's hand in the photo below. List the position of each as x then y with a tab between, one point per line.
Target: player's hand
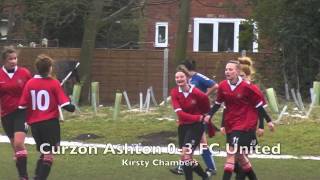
260	132
206	119
271	126
223	130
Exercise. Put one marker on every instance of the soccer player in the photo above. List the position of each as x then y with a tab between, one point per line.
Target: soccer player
202	82
12	81
239	121
246	73
191	105
207	86
41	97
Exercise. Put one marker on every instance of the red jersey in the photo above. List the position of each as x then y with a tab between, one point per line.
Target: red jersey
239	99
258	91
189	106
11	86
42	96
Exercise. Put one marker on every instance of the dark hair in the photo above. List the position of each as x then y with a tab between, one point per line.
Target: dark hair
190	64
43	64
6	51
183	68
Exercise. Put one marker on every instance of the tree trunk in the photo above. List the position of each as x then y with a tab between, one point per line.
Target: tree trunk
11	22
87	48
182	34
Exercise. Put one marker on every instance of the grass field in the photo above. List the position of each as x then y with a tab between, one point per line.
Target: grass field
297	137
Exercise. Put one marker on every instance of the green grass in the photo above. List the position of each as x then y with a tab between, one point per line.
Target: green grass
102	167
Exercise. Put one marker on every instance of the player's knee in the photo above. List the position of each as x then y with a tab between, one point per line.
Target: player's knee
18	142
19	146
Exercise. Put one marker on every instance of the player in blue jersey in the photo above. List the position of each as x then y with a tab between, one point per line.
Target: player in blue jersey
201	81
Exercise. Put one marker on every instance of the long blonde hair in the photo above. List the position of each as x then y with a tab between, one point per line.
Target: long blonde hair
246	66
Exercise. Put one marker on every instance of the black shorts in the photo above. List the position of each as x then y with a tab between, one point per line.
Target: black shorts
190	134
46	133
14	122
242	139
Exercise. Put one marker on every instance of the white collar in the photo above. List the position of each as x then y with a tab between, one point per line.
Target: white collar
236	85
5	70
186	94
190	90
37	76
9	74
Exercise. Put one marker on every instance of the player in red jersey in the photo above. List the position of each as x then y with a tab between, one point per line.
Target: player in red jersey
239	120
190	104
207	86
41	97
12	80
246	73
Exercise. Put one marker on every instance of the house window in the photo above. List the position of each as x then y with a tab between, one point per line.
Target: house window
205	37
3	29
221	35
226	37
161	37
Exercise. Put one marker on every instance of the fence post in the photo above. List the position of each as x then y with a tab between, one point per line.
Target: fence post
152	96
76	95
95	95
316	92
165	74
117	103
141	101
127	99
271	95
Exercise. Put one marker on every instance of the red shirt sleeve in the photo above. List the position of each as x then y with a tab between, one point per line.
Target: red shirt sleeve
220	97
25	98
258	91
29	76
183	116
255	97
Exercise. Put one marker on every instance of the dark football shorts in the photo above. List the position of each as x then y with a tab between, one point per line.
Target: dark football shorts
14	122
242	139
47	134
190	134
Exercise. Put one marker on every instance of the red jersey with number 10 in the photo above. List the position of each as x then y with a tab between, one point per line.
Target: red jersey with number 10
41	97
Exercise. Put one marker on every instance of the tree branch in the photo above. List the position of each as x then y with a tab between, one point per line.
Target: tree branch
118	13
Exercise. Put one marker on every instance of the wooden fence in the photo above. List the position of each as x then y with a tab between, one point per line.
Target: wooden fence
136	70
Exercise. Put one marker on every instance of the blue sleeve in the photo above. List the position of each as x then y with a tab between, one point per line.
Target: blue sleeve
207	82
